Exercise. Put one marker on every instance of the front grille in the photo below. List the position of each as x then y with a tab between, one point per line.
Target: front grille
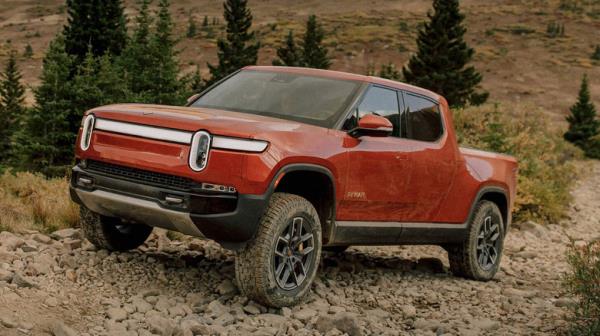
141	176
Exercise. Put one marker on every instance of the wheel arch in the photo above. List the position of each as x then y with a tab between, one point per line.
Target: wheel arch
498	196
309	181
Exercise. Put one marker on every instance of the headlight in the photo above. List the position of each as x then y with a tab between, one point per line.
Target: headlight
245	145
86	133
199	150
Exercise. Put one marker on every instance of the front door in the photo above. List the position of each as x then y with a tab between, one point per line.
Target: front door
378	177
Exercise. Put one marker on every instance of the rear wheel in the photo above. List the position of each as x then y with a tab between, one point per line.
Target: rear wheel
278	267
478	257
112	233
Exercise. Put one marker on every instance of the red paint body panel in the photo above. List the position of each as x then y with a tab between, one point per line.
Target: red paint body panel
376	178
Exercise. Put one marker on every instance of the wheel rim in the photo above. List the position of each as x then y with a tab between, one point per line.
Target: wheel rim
488	243
123	228
293	254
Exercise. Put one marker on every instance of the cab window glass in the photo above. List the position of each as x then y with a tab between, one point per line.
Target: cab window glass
382	102
424	121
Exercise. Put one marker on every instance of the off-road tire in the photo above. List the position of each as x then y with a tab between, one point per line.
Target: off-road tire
254	265
463	257
335	249
111	233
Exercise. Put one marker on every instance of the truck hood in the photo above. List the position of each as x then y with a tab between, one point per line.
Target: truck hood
218	122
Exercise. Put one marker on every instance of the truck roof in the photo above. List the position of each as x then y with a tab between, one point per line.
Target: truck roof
347	76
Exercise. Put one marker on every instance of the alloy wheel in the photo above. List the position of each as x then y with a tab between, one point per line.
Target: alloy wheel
488	243
293	254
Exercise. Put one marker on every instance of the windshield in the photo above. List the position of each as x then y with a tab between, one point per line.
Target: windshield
313	100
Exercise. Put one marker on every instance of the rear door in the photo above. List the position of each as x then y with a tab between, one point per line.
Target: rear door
430	154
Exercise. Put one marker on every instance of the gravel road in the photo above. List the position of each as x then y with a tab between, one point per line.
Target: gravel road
59	284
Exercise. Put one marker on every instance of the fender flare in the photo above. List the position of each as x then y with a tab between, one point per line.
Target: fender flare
490	189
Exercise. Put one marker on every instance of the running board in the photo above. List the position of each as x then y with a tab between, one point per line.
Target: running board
397	233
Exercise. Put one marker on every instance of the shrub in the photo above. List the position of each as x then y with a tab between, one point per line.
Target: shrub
596	54
583	282
555	29
30	201
545	170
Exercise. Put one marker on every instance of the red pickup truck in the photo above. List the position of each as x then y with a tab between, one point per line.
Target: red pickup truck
280	163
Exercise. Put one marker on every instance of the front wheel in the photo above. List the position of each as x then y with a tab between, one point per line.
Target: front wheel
112	233
279	265
478	257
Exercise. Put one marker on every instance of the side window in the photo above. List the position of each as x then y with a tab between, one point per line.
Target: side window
382	102
424	121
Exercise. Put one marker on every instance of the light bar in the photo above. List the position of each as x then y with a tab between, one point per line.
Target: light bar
244	145
149	132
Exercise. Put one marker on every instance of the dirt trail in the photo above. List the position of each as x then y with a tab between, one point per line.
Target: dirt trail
187	287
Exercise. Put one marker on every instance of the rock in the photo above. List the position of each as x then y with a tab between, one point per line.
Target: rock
423	324
160	325
304	315
287	312
9	241
116	314
141	305
224	319
7	322
565	302
28	248
252	309
71	243
23	282
51	302
272	320
66	233
6	275
216	308
526	254
486	324
535	228
60	329
226	287
344	322
41	238
409	311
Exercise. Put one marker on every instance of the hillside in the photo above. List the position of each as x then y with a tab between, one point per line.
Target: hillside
519	61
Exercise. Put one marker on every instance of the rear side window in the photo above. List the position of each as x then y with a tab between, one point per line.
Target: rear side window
424	120
381	102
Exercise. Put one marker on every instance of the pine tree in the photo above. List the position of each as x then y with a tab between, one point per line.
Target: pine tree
205	22
99	23
196	83
137	59
150	61
12	97
98	82
389	71
314	54
192	29
288	53
440	63
28	52
584	125
238	49
46	139
167	87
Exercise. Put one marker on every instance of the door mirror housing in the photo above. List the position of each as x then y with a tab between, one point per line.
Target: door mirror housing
372	125
193	98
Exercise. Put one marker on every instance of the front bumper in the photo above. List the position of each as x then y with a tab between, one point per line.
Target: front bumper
231	220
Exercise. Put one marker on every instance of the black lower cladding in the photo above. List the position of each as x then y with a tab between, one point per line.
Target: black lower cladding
225	218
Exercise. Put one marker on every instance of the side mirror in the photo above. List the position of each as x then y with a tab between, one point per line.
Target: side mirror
193	98
372	125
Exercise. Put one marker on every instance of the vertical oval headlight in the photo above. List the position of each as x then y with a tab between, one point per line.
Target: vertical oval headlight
86	133
199	150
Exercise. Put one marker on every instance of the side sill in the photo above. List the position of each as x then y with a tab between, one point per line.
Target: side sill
397	233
